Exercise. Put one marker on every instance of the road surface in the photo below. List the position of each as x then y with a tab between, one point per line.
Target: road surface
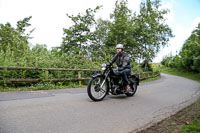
71	110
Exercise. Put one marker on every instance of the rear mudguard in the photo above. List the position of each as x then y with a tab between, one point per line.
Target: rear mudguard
135	77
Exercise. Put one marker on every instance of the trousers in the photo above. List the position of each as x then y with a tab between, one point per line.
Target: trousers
124	74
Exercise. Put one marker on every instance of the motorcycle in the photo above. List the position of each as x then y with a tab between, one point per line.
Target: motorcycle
108	81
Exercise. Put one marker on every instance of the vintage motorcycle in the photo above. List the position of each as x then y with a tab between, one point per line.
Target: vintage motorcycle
108	81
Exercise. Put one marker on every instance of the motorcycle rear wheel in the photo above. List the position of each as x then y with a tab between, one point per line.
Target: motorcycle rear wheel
94	90
133	89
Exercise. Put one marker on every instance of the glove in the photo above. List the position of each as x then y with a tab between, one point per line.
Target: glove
120	68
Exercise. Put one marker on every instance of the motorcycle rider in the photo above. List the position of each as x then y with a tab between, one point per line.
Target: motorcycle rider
123	63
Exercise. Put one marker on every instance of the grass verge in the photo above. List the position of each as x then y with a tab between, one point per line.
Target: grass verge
186	120
193	128
151	79
189	75
40	86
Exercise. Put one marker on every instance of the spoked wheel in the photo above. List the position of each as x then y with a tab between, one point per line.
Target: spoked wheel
97	88
133	89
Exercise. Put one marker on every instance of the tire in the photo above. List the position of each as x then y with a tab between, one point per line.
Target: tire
93	88
133	90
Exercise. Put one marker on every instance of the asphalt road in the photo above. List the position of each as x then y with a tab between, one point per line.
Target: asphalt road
71	110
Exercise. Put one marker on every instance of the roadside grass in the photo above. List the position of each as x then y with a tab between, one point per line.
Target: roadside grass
189	75
184	121
151	79
41	86
50	86
194	126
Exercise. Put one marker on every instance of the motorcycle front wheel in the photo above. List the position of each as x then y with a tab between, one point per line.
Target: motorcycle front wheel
97	88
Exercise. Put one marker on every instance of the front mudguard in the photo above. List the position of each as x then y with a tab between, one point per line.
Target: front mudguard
94	75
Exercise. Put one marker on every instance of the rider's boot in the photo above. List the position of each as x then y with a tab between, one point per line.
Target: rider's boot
128	88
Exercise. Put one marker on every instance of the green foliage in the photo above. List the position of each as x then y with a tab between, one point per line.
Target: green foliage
189	75
190	53
142	34
40	57
151	32
146	67
22	25
169	61
41	86
151	79
157	66
192	128
101	32
87	43
189	57
120	25
15	40
77	37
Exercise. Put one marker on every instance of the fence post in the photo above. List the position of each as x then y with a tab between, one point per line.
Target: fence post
46	75
141	75
79	77
4	75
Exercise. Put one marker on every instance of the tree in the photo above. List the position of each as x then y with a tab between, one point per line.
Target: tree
13	39
150	29
189	56
146	66
190	53
22	25
121	24
79	36
99	48
142	34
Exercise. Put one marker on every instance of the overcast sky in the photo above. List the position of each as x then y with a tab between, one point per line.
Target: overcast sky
49	18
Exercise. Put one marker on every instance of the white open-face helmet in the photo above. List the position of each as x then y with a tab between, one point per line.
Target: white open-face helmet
119	46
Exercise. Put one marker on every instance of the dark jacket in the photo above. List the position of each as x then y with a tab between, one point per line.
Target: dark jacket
122	60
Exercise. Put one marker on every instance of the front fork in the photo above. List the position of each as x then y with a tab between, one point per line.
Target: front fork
102	84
